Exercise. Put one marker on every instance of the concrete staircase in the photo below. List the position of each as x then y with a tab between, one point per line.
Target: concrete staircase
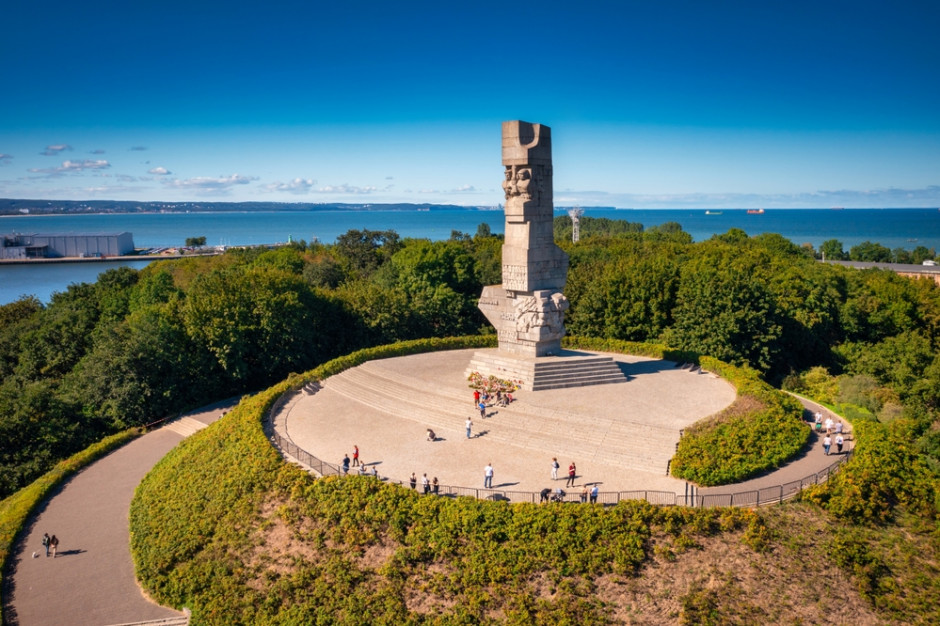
523	424
569	369
185	426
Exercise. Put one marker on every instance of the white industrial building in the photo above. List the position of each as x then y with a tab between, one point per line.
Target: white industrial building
56	245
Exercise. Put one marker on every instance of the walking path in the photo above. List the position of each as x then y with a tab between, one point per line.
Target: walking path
91	581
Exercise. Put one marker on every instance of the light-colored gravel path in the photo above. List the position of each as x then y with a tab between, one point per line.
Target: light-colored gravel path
91	581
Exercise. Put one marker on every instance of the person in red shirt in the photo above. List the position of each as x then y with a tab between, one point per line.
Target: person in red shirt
572	472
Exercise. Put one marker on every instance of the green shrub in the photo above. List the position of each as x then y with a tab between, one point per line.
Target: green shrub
885	473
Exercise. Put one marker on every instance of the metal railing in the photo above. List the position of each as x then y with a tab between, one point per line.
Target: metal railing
753	498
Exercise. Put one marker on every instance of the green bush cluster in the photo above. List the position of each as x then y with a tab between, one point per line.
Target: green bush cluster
885	473
224	527
732	445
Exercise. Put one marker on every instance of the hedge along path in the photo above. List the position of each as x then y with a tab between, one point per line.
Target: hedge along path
92	580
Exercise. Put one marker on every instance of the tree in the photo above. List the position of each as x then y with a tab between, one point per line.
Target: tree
366	250
261	323
195	242
726	312
870	252
831	250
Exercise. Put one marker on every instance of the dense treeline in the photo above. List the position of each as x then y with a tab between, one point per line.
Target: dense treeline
138	346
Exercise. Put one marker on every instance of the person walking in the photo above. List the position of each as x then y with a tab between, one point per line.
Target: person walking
594	491
572	473
482	410
355	456
555	467
45	542
827	443
488	476
345	464
469	426
839	442
53	544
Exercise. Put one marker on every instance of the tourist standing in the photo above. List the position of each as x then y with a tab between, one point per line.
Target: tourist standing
572	472
827	443
555	467
482	410
53	544
469	426
476	397
345	464
488	476
355	456
435	486
413	481
839	427
594	491
425	484
45	542
584	494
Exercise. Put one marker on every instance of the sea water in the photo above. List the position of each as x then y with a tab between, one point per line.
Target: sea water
892	228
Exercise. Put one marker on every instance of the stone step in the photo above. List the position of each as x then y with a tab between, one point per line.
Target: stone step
550	372
393	382
185	426
638	446
182	620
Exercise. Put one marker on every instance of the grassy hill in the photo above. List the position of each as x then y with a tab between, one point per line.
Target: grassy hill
225	527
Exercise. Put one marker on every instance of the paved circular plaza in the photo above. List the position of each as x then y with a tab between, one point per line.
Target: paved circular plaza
620	436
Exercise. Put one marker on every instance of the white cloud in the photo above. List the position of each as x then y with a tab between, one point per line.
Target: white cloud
86	164
222	183
53	150
159	171
347	189
296	186
71	167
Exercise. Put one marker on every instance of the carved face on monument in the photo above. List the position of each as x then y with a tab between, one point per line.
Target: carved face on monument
517	183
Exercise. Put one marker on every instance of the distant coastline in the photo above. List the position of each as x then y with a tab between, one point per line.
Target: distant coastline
10	207
35	208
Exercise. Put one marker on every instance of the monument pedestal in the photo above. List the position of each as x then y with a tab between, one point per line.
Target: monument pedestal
567	368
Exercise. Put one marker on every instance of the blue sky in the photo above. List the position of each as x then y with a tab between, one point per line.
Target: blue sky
651	104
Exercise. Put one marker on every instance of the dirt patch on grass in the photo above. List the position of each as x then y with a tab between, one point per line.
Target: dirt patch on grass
725	582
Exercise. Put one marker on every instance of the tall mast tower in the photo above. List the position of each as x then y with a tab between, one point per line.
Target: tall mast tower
575	214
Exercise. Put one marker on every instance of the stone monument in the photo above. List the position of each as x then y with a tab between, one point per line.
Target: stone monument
528	309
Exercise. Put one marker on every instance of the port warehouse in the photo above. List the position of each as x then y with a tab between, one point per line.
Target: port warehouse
57	245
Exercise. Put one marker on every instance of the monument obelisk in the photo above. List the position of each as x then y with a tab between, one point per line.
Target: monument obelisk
528	309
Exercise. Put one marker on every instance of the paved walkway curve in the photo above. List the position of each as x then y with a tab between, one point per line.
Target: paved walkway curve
91	581
810	460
